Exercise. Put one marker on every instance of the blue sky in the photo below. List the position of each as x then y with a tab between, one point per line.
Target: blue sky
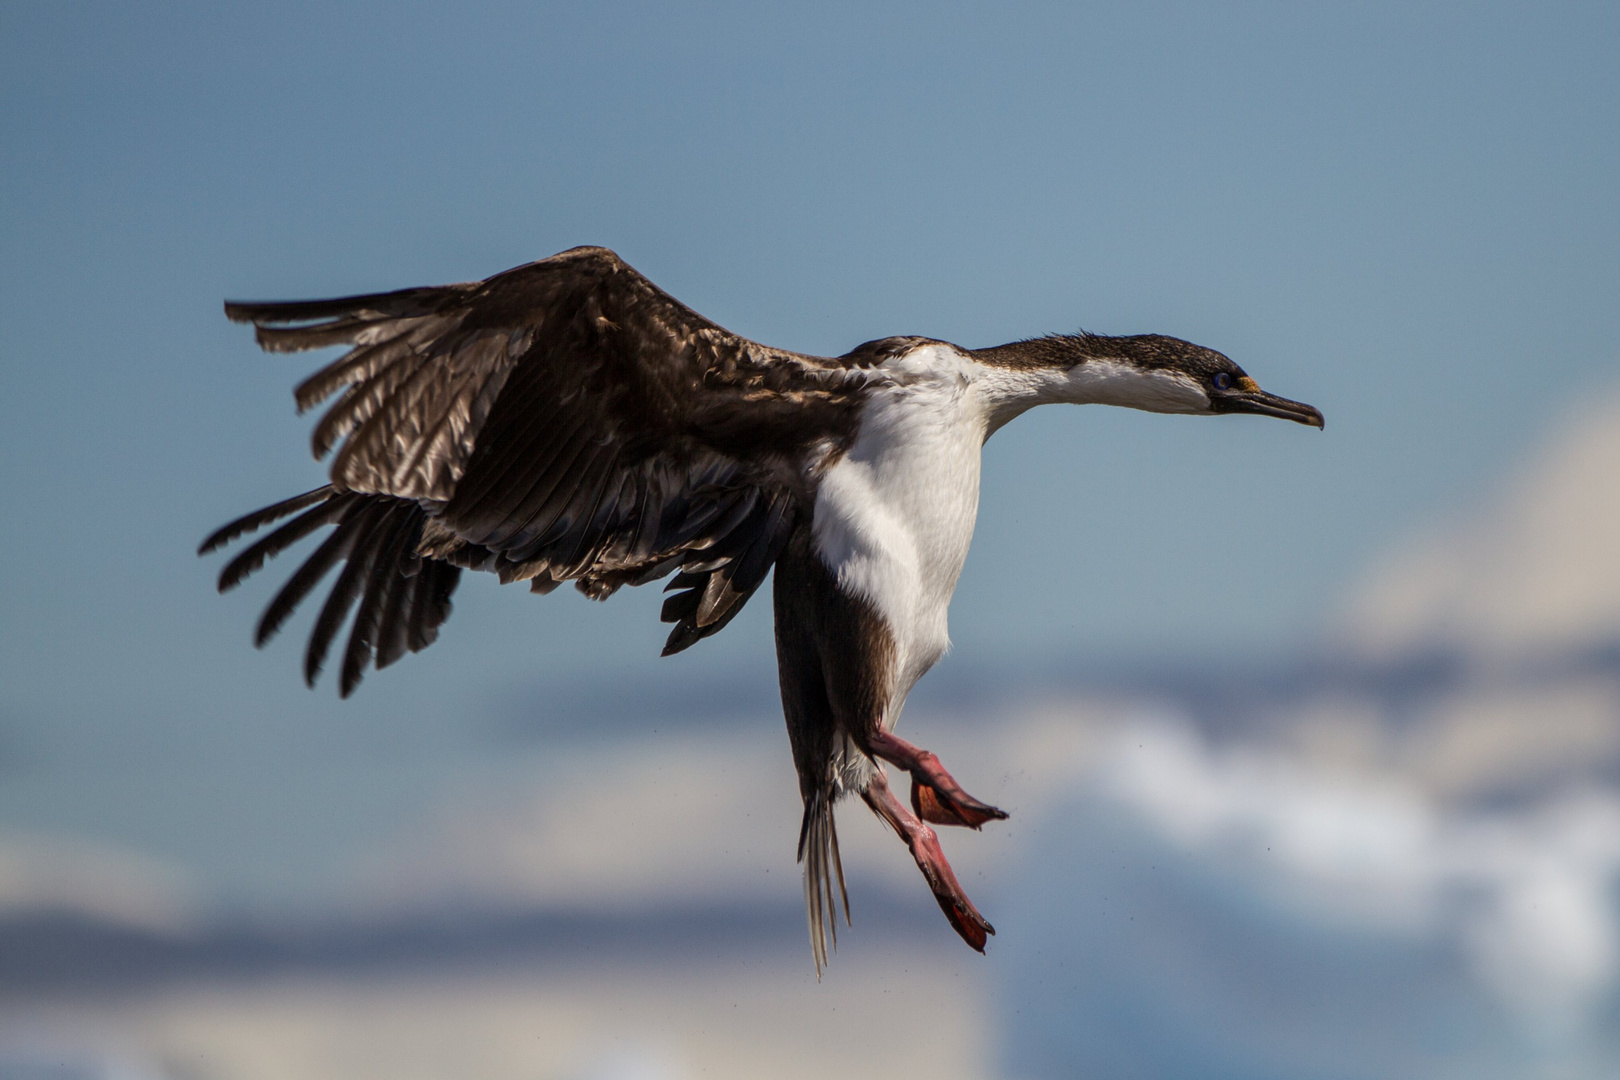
1404	214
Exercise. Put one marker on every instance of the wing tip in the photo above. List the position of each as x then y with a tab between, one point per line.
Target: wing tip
680	639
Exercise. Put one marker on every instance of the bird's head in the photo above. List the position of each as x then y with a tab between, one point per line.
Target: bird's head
1199	379
1144	371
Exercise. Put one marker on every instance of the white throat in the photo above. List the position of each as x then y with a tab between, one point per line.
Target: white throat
1010	392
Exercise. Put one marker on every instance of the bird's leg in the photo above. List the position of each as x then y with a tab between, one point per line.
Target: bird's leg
924	844
935	794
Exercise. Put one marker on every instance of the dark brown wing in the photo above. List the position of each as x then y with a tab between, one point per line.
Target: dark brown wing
563	421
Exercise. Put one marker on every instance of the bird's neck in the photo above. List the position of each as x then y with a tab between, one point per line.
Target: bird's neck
1077	371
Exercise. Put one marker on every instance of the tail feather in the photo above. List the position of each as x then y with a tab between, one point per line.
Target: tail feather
818	851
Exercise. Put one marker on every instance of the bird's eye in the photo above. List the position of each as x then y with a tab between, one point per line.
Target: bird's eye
1223	381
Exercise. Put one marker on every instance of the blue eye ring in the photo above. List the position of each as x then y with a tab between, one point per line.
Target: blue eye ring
1223	381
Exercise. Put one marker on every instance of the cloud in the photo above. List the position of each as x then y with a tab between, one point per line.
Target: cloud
628	826
108	884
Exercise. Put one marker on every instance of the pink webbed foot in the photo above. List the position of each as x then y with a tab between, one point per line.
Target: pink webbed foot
964	918
943	809
935	794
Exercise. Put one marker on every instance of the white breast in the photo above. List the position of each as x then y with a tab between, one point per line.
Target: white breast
894	517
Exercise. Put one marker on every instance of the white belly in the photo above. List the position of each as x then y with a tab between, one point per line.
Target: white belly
894	517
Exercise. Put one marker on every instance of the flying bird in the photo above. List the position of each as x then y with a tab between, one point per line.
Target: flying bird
567	420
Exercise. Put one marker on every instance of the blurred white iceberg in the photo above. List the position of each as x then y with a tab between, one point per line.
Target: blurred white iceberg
1535	571
1378	874
1527	894
1217	911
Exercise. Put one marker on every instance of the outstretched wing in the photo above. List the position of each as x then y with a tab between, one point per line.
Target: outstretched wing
563	421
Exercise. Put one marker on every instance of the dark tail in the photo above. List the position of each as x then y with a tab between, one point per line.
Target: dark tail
818	851
403	597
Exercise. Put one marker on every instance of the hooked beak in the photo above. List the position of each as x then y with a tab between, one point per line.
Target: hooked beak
1247	397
